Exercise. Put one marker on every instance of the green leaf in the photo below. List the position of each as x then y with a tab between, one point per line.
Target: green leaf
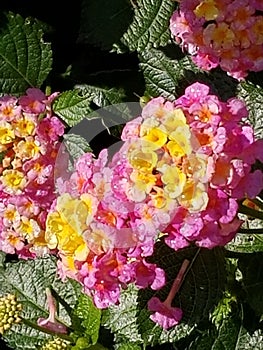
162	74
76	145
232	335
223	309
168	77
201	290
102	96
104	27
245	243
28	281
150	26
25	59
2	259
253	96
71	107
112	110
86	319
128	346
251	267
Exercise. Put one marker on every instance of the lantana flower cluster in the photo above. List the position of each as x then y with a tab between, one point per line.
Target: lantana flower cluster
29	143
180	172
221	33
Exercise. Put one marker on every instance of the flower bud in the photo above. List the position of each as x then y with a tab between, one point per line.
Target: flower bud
9	312
56	344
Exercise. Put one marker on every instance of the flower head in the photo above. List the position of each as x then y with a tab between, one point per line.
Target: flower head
29	143
180	172
221	33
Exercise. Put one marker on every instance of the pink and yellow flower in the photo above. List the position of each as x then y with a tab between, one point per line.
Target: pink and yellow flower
221	33
29	144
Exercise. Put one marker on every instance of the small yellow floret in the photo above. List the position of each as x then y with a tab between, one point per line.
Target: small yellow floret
156	138
7	133
207	9
144	161
13	180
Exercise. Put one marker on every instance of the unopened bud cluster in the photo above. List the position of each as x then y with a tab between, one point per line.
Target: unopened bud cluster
56	344
9	312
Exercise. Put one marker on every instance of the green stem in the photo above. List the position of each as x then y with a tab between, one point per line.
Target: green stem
250	212
44	330
252	231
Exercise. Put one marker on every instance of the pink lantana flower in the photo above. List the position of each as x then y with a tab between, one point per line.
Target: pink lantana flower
165	314
180	173
29	142
33	101
221	33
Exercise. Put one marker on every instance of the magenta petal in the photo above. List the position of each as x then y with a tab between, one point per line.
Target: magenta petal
166	316
52	326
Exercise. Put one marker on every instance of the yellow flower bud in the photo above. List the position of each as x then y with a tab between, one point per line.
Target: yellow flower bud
9	312
56	344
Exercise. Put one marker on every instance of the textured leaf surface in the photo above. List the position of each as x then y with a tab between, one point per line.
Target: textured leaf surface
248	243
102	96
28	280
168	77
110	106
25	59
245	243
253	96
2	259
88	317
71	107
128	346
104	28
76	145
200	291
231	335
162	74
150	25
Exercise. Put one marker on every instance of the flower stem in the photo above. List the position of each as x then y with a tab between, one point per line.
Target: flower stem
177	282
180	277
61	301
250	212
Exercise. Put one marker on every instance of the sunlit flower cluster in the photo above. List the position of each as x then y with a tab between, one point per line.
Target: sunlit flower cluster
93	232
187	164
179	174
221	33
29	142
